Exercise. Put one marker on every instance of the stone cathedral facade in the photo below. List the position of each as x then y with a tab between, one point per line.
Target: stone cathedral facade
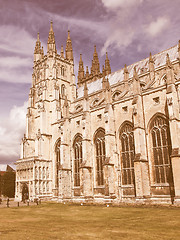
114	138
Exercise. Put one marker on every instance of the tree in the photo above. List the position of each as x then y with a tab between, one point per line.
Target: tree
8	184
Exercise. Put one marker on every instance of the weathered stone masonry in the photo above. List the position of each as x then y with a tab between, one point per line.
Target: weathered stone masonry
115	138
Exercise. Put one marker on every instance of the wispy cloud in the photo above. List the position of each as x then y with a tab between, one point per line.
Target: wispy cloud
15	62
16	40
156	27
114	4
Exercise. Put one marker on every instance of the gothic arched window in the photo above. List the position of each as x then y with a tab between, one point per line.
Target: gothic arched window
127	154
62	90
77	159
58	159
161	150
100	155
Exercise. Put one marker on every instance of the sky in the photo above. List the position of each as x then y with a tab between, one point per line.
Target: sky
127	29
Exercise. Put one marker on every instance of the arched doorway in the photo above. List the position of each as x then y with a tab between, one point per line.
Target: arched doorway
25	192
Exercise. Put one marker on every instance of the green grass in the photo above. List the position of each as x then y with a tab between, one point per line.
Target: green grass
59	221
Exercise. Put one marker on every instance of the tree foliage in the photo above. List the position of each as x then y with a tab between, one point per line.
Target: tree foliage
8	184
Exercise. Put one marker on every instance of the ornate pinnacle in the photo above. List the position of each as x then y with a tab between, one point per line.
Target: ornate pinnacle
42	51
87	72
95	70
81	69
103	72
51	38
62	51
37	49
69	50
126	73
125	69
150	58
107	65
51	46
168	61
135	75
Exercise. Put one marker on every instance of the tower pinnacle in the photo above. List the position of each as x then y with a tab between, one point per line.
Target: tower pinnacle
51	46
37	50
69	50
95	69
107	65
81	70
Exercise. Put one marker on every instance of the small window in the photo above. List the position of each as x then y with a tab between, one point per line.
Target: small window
99	116
62	71
78	123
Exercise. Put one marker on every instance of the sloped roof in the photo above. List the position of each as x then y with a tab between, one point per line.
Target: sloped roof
118	76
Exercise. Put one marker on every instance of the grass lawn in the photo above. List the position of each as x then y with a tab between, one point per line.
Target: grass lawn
59	221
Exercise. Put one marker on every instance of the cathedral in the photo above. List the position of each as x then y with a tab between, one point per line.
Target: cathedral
115	137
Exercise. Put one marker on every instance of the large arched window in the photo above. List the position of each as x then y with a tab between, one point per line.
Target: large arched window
58	159
100	155
161	150
127	153
77	159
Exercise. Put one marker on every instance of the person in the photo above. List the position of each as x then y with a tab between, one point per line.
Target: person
7	202
0	200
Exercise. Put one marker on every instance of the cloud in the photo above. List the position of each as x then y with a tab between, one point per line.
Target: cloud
16	69
15	62
16	40
156	27
113	4
16	54
11	132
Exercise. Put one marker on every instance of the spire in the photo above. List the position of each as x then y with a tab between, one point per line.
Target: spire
151	67
95	69
81	70
87	72
42	52
150	58
107	65
51	38
168	61
103	72
69	50
126	73
51	46
37	50
62	51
